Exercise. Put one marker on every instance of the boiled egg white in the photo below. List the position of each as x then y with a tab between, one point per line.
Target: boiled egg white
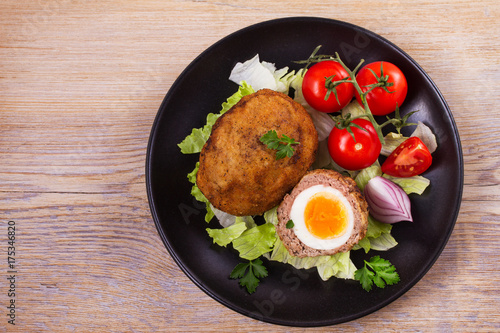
322	217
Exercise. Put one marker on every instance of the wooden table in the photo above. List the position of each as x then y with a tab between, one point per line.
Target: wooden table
80	85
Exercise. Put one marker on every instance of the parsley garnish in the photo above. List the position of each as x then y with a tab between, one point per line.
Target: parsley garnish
290	224
283	145
250	279
382	272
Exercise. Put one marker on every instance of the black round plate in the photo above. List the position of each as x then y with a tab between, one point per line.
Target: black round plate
289	296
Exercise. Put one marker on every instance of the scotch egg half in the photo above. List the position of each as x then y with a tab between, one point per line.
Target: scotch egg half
329	215
323	218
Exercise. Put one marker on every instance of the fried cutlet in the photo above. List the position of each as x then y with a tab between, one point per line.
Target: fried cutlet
238	174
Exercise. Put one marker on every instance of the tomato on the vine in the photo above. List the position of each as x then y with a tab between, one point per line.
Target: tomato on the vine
409	159
319	82
389	87
353	154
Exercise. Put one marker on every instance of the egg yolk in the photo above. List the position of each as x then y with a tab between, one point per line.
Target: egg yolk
325	216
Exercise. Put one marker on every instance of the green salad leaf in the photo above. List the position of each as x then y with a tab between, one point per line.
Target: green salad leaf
415	184
196	193
226	235
339	265
254	242
383	242
392	141
364	176
376	229
378	237
271	216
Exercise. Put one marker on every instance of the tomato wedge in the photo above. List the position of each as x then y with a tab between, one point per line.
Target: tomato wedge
409	159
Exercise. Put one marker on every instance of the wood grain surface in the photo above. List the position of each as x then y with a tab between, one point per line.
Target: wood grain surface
80	84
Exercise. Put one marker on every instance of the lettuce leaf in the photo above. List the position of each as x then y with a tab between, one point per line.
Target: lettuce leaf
260	75
271	216
354	109
376	229
392	141
338	265
226	235
415	184
249	239
383	243
281	254
422	131
364	244
425	134
254	242
378	237
364	176
195	141
198	195
225	219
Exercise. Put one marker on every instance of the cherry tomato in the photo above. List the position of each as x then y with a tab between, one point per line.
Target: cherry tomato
355	155
409	159
388	76
315	87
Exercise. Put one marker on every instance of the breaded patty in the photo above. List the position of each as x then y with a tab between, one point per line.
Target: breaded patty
238	174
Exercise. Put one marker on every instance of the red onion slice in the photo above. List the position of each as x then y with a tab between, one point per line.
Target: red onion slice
387	201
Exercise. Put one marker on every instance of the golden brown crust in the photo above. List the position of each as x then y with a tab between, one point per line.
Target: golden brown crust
238	174
347	186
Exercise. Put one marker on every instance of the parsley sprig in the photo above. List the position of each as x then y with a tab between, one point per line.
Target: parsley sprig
283	145
382	273
249	274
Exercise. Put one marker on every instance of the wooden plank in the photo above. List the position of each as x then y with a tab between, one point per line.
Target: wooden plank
80	85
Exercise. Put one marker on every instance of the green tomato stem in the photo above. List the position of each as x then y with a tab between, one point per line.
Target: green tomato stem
368	113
